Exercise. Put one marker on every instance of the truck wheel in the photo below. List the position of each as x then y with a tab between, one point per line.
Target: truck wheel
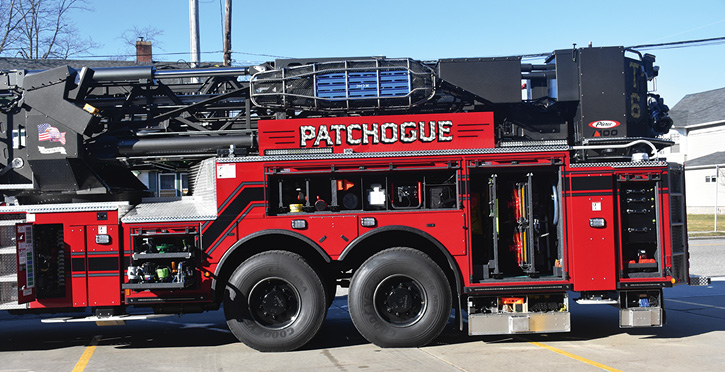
399	298
274	301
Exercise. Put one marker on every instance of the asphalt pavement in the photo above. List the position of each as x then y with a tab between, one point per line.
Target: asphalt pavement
691	339
707	257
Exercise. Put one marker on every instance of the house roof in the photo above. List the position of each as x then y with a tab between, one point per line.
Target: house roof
46	64
709	159
699	108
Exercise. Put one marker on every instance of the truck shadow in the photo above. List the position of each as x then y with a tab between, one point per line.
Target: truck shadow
685	318
593	322
209	329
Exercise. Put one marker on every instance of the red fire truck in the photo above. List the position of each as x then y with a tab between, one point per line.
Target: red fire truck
427	188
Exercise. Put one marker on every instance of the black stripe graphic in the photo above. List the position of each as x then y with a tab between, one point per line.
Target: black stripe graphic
593	193
103	264
226	218
234	225
592	183
78	264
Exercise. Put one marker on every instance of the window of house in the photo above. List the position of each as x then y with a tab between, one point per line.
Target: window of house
167	185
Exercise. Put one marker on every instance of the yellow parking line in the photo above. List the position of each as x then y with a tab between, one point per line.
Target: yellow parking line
87	354
575	357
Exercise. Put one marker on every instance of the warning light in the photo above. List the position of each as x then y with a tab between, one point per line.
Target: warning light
344	185
90	109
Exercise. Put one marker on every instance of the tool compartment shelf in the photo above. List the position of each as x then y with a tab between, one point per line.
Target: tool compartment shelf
163	258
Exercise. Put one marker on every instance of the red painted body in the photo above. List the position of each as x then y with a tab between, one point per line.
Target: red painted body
250	204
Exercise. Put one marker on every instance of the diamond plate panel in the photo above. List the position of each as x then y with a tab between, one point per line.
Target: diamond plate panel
186	209
367	155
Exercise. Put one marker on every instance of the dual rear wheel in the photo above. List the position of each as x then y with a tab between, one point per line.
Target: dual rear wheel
400	298
275	301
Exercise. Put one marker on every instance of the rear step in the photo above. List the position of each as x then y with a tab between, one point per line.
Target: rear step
597	298
699	281
596	301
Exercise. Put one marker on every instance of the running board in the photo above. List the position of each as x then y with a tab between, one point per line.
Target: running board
105	320
603	301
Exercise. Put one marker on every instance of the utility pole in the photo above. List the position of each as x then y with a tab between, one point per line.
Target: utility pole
717	182
228	33
194	31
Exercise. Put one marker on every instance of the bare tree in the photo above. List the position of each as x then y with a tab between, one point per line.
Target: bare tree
40	29
10	20
130	36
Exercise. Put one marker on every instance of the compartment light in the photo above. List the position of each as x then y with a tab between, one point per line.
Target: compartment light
103	239
368	222
299	224
597	223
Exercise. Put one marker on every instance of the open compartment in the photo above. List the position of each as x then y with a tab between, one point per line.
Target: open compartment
364	190
516	223
512	314
51	261
639	211
163	258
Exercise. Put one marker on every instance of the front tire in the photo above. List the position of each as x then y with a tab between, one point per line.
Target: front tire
400	298
274	301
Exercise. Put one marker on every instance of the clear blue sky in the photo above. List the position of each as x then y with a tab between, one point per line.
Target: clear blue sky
427	30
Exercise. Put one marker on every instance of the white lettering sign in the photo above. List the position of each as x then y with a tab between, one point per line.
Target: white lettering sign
375	133
52	150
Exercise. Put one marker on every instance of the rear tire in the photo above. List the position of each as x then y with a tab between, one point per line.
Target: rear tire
400	298
274	301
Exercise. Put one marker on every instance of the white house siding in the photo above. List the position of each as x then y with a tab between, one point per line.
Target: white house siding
699	120
705	141
701	194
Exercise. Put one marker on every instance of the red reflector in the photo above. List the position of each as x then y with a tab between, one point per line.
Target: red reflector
512	300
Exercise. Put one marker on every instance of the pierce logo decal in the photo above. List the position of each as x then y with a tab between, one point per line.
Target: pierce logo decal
604	124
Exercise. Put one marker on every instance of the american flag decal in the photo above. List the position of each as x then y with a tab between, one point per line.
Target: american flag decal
46	132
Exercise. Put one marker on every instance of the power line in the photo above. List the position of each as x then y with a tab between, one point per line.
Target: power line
669	45
134	55
681	44
181	53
